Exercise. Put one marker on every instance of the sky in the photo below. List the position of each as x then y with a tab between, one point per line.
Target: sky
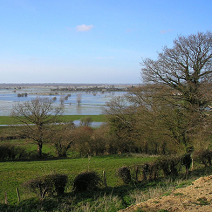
91	41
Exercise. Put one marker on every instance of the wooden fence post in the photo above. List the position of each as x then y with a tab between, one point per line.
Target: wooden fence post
18	195
6	200
104	177
136	174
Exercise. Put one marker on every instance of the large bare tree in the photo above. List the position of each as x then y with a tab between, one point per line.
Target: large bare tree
36	118
170	108
185	68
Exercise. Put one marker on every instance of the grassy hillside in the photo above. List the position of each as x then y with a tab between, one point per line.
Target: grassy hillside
13	174
113	198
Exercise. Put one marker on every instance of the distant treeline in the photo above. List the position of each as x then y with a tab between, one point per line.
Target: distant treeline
92	89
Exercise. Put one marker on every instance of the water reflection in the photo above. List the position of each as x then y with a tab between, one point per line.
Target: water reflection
90	104
79	109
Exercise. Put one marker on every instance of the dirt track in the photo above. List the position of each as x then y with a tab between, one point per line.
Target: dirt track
196	197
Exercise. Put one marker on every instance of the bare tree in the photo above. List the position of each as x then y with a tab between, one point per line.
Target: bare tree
168	112
86	121
121	116
63	138
79	98
159	115
37	117
62	100
186	72
186	68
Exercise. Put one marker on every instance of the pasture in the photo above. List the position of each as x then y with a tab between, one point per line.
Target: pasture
9	120
13	174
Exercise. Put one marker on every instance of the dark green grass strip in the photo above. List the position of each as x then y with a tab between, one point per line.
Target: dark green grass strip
8	120
96	118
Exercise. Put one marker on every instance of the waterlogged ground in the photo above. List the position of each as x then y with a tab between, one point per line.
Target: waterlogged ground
91	103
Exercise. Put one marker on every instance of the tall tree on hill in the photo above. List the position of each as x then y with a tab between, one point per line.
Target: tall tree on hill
185	68
186	71
37	117
170	108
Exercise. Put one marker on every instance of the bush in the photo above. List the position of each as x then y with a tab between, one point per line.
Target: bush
164	164
145	171
186	160
86	121
86	181
153	170
47	184
203	156
12	152
124	174
175	165
169	165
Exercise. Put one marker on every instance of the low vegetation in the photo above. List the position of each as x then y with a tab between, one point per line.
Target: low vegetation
47	185
124	174
86	181
44	177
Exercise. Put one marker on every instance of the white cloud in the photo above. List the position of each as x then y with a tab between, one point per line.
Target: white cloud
104	58
165	31
84	28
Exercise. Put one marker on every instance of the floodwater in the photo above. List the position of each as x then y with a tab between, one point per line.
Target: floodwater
91	103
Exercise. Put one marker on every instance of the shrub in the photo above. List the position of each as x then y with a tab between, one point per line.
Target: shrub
82	139
186	161
164	164
175	165
169	165
153	170
47	184
86	121
59	182
86	181
145	171
124	174
203	156
12	152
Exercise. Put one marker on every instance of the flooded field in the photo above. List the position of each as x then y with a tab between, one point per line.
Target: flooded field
75	102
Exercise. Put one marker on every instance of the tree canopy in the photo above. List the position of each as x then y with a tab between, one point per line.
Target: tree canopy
171	109
186	68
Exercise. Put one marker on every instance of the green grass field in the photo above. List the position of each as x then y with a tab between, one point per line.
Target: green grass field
96	118
116	196
8	120
13	174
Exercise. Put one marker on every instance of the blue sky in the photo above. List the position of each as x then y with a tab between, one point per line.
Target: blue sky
91	41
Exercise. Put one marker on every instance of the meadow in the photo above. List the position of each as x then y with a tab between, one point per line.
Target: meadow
13	174
8	120
115	196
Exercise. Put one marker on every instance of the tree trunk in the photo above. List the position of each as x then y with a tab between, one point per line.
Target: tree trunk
39	150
